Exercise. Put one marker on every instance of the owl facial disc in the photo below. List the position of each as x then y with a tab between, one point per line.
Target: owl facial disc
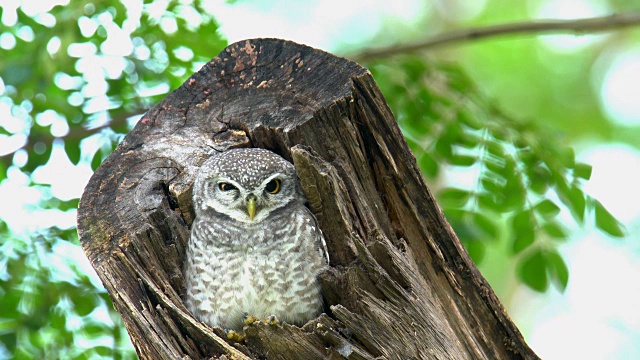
247	184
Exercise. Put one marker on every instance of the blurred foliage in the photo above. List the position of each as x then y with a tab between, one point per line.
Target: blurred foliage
78	76
525	175
50	86
556	85
50	308
49	82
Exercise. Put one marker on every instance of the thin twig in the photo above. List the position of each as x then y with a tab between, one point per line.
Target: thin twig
579	27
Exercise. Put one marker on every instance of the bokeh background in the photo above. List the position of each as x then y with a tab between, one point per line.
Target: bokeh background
530	143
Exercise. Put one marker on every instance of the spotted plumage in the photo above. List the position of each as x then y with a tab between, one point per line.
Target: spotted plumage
255	247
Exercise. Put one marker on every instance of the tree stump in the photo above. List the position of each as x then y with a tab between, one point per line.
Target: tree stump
400	284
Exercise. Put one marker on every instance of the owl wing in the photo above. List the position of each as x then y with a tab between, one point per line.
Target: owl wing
321	244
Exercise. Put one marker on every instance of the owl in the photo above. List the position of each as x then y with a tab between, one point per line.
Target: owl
255	248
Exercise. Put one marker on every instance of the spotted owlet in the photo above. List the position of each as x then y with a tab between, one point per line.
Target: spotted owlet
254	248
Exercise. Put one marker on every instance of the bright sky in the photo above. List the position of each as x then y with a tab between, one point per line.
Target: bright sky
318	23
597	317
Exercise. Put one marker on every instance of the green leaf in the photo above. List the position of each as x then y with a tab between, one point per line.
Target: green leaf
522	240
465	117
486	225
103	351
57	320
547	208
582	171
522	231
532	270
558	269
72	148
575	200
607	222
554	230
502	133
523	220
94	330
443	148
492	184
489	201
96	161
495	148
68	204
413	67
452	197
3	170
457	218
476	249
568	158
468	140
495	165
428	166
85	303
515	193
415	120
414	146
462	160
539	178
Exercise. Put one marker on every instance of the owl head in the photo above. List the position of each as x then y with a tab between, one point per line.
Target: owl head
246	184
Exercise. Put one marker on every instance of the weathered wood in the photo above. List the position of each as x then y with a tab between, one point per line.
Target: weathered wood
400	284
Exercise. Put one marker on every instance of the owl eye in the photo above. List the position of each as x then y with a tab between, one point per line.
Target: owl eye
273	186
226	186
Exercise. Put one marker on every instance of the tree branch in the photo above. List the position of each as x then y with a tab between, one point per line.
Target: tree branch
578	27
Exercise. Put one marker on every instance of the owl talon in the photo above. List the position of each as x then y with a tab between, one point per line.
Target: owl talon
271	320
249	319
235	336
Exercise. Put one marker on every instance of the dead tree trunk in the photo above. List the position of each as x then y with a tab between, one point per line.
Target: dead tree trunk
400	285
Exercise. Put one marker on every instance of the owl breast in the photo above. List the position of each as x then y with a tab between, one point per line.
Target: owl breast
261	270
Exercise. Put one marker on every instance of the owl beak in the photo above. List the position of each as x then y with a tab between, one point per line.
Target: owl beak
251	207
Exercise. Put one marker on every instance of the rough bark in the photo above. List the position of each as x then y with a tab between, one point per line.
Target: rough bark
400	284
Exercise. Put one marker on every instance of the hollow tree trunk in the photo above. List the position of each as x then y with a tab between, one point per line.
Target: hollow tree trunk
400	284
